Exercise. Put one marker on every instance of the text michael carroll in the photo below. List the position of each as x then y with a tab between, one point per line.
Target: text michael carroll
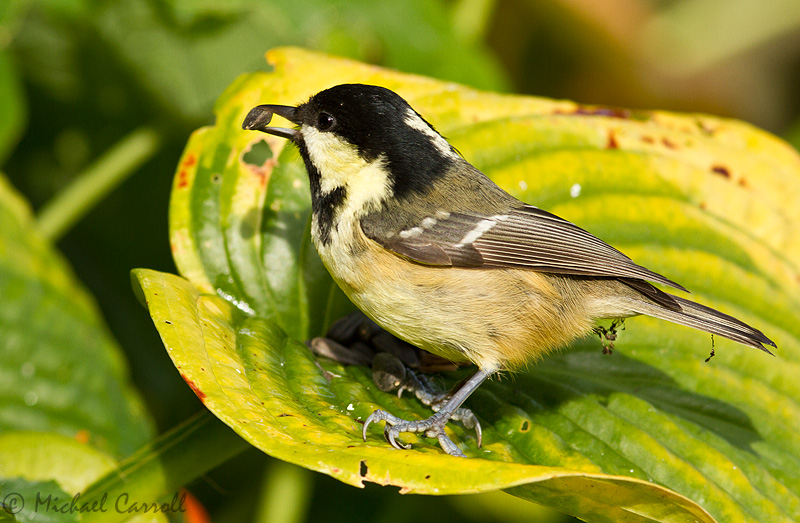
121	503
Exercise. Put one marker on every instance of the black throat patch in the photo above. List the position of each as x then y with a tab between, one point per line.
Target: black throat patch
323	206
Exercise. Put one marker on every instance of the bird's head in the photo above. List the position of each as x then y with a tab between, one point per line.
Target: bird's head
362	139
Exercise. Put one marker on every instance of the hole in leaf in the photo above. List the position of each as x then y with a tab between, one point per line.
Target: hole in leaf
258	154
363	468
525	426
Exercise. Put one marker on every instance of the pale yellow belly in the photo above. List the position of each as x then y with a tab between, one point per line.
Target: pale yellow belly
499	318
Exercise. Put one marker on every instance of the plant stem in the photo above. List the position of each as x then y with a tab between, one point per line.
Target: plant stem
471	18
109	170
285	494
156	472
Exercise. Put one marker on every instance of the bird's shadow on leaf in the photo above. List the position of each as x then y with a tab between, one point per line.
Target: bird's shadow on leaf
568	398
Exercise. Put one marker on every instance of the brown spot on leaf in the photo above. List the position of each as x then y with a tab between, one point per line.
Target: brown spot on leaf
259	158
183	179
262	176
721	170
648	139
743	183
669	143
612	141
706	128
199	393
183	174
612	112
82	436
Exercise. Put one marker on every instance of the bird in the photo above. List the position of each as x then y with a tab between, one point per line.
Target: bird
436	253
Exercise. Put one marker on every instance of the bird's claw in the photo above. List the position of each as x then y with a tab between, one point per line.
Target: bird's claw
391	433
468	419
432	427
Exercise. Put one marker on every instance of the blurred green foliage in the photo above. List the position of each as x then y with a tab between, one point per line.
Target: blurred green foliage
78	76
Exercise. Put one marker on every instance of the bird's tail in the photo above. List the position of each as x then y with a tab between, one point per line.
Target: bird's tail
706	319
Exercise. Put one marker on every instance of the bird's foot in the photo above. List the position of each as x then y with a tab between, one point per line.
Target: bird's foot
432	427
446	406
389	373
428	395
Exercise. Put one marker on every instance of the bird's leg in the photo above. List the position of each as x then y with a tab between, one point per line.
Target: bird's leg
427	394
432	427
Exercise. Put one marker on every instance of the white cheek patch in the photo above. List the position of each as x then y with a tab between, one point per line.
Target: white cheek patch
333	157
367	188
414	121
339	165
480	229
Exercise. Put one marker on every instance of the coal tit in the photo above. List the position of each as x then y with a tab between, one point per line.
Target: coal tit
440	256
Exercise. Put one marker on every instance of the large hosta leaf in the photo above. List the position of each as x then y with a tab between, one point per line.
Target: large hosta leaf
711	203
60	369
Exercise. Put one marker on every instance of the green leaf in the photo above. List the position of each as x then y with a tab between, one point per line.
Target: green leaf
212	42
36	501
39	456
42	472
629	437
158	470
270	390
60	370
45	476
12	102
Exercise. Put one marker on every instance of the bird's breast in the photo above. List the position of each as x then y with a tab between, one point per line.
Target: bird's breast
491	317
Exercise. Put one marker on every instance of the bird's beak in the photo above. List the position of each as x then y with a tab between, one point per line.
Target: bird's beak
259	117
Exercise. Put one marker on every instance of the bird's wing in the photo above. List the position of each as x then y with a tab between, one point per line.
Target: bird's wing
524	237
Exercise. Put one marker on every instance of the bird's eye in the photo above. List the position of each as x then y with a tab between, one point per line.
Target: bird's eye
325	121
